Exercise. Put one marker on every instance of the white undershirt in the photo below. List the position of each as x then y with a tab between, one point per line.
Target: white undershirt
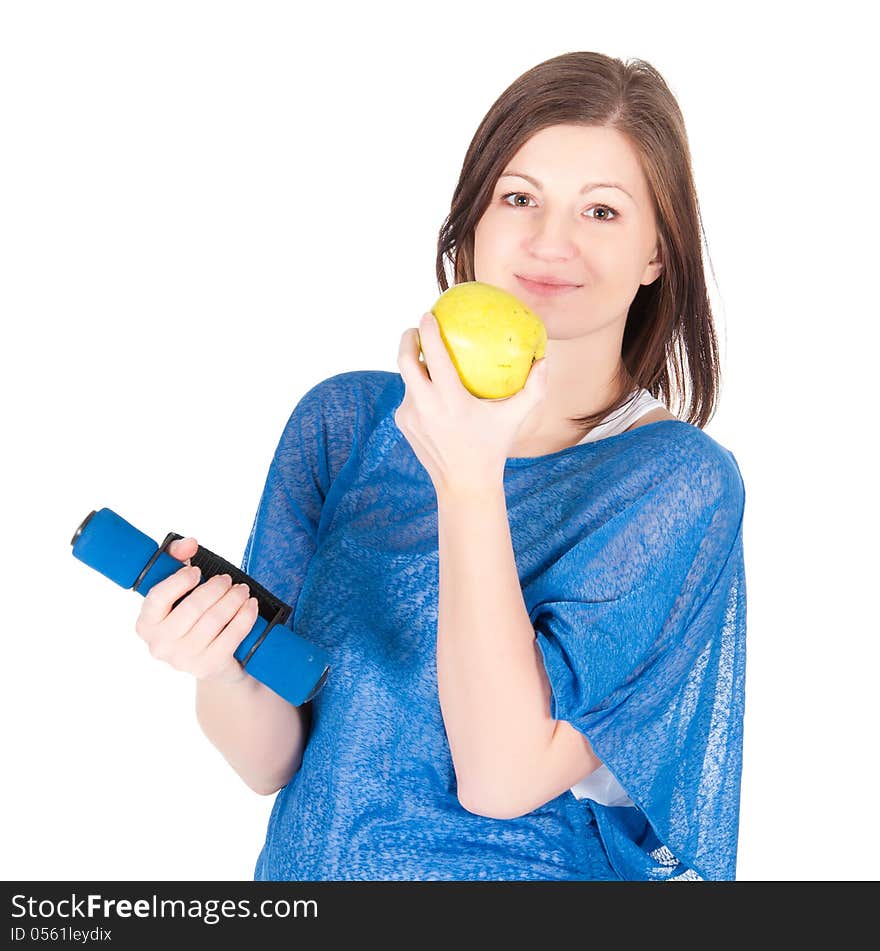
601	786
623	417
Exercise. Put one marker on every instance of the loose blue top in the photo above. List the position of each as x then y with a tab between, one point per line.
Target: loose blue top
630	557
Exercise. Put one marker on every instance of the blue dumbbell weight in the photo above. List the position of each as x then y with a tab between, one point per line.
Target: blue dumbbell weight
270	652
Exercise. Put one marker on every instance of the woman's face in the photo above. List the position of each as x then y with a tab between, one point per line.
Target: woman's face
603	239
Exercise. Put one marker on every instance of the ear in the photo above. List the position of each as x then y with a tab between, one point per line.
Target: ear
653	269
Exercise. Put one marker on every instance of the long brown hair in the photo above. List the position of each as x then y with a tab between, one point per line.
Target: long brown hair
669	343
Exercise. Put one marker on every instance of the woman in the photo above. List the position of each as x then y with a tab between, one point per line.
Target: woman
534	607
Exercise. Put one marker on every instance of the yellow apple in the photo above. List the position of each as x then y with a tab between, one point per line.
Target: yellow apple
491	336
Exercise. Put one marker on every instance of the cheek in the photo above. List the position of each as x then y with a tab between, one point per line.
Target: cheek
494	243
491	231
614	262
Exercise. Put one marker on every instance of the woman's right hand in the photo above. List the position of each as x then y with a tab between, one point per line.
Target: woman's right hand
200	635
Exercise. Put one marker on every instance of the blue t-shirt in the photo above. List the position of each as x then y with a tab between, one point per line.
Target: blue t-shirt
629	553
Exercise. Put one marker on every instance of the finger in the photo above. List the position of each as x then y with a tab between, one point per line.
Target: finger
212	622
183	549
415	374
232	634
159	599
437	357
535	388
189	611
537	377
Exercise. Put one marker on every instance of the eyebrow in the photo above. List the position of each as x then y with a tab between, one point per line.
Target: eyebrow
587	188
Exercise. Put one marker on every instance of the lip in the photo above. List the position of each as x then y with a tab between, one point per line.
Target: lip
544	289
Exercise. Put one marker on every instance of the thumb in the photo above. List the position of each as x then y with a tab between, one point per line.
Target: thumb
183	549
536	381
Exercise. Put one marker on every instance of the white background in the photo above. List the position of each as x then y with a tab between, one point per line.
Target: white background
209	207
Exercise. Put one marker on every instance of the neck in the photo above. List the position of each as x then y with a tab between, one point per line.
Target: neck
581	381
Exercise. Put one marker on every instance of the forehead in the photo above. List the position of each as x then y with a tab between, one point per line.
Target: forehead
565	157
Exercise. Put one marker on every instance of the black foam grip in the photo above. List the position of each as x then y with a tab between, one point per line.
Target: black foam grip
269	607
212	564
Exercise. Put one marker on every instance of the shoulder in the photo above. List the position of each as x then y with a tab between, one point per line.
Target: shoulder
674	459
702	467
342	397
330	420
677	482
350	385
339	411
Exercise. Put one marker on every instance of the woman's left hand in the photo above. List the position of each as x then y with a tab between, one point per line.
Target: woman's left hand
463	441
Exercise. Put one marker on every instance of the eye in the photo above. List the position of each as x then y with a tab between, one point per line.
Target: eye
605	209
515	195
608	213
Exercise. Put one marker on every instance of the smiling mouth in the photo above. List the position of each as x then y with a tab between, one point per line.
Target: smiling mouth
546	290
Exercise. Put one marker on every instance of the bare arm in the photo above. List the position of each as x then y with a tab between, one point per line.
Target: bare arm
510	755
259	733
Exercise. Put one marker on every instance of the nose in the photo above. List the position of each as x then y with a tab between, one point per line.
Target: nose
553	236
